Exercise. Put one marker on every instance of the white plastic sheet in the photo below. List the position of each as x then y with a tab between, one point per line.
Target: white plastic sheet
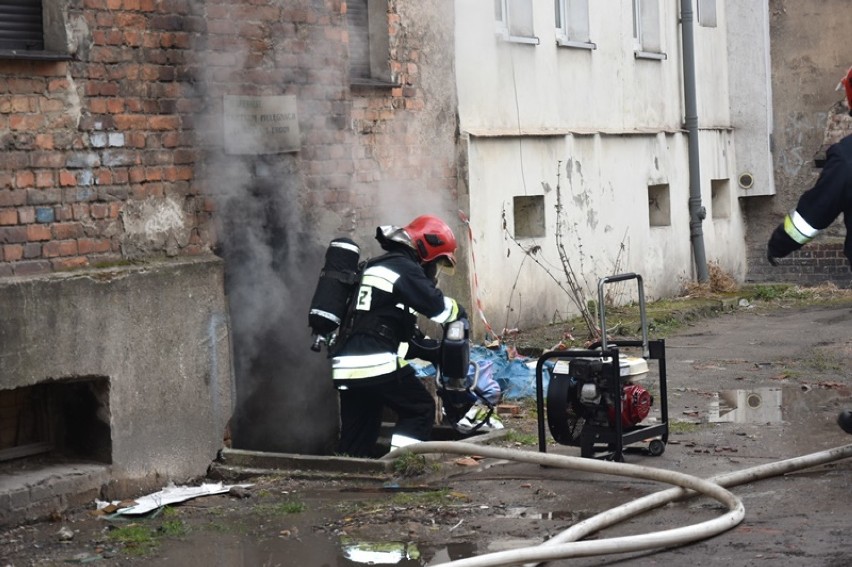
171	495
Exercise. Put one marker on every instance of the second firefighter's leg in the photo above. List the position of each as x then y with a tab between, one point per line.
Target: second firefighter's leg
413	403
360	421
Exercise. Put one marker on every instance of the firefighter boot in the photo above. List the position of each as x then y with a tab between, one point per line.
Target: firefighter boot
844	420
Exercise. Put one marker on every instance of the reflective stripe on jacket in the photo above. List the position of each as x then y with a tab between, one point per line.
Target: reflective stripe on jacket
393	290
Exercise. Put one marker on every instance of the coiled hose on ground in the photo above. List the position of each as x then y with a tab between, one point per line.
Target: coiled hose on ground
565	545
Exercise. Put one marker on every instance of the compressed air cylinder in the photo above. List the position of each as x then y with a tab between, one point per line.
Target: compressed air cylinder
336	285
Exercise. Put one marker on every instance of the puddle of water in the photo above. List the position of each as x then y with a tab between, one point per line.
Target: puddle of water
450	552
384	553
758	405
401	554
231	550
766	405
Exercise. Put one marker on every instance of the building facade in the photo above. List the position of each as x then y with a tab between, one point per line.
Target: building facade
173	170
581	163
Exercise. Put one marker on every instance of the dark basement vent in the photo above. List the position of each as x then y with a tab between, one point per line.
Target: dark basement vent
63	419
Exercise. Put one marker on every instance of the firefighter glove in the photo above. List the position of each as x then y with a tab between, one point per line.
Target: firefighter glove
462	313
780	244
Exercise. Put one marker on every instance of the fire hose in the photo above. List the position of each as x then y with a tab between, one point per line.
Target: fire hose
565	545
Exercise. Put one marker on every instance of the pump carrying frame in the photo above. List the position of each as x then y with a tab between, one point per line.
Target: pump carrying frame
612	439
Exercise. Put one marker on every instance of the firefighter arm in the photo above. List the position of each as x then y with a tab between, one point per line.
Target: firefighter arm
817	208
422	295
453	311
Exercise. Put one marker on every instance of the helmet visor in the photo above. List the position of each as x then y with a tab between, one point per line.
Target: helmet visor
445	265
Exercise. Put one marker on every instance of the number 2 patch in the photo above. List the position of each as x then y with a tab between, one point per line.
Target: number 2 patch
365	298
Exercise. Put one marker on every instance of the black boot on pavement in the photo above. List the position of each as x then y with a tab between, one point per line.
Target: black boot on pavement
844	420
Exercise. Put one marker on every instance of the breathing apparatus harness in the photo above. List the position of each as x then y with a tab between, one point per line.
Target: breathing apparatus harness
333	319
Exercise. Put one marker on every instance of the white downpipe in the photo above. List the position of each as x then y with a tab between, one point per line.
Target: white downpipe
665	538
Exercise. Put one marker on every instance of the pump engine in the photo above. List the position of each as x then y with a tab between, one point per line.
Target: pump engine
580	397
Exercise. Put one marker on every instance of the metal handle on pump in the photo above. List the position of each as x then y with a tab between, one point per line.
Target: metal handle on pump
602	309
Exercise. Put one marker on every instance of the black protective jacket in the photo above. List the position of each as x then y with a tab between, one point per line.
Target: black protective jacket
819	206
394	288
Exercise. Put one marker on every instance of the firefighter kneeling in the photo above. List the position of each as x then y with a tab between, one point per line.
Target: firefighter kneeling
369	364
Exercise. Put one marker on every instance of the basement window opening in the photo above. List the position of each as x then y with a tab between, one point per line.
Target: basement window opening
62	420
720	199
528	213
659	205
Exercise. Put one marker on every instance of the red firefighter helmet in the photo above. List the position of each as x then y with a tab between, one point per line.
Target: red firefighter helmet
432	239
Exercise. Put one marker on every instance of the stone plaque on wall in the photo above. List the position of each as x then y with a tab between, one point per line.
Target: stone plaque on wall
260	124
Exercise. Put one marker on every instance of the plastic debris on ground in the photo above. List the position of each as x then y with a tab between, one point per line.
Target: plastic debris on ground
503	373
169	495
514	373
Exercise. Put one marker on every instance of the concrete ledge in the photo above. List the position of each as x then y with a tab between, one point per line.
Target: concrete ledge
38	494
157	333
288	461
235	464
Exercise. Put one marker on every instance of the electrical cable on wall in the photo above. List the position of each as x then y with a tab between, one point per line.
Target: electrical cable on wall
464	218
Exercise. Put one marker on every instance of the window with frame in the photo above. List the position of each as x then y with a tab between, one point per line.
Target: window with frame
32	29
707	13
514	21
369	42
572	23
646	30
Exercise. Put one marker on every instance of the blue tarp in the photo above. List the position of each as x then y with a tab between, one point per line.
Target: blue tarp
515	377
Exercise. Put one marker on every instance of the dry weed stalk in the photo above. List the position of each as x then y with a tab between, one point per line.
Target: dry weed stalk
576	293
719	281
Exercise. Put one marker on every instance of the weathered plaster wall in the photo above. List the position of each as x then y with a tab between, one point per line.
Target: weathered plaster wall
611	125
604	218
159	334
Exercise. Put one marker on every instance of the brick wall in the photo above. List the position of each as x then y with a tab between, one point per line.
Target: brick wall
80	139
816	263
127	119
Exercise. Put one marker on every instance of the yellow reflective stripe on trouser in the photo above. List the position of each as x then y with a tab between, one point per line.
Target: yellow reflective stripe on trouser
798	228
450	312
403	350
363	365
368	365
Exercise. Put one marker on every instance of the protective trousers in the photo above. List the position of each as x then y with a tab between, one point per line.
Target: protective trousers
361	409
